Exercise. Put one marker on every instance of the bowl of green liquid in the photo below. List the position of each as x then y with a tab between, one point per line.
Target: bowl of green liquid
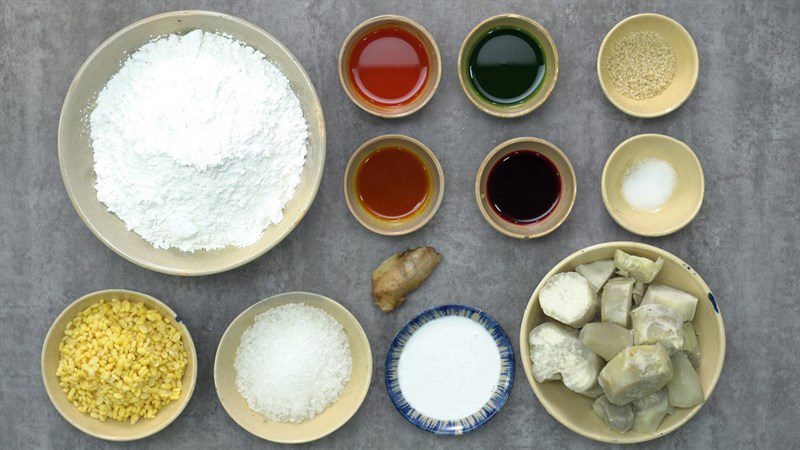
508	65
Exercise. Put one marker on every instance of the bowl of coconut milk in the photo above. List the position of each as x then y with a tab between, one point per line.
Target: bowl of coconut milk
450	369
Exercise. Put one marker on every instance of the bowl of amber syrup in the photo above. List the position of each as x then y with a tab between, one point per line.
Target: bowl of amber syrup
526	187
393	184
390	66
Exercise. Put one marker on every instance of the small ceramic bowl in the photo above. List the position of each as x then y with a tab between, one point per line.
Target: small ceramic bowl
75	156
408	224
528	26
569	188
335	415
434	65
574	410
114	430
681	207
686	69
499	396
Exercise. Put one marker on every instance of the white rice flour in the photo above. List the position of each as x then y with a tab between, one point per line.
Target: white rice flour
198	142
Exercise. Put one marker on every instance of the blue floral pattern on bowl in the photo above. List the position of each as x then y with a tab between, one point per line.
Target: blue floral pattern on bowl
498	398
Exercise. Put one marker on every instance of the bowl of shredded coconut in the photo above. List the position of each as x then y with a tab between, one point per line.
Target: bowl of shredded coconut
191	142
653	185
293	368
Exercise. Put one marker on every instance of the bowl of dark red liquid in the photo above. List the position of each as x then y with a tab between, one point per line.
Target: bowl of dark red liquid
390	66
393	184
525	187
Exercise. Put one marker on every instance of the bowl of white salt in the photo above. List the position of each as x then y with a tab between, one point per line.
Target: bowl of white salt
653	185
293	368
191	142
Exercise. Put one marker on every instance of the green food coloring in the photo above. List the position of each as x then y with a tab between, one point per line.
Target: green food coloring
506	66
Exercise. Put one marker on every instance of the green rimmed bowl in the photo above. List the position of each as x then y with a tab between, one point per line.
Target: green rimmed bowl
529	27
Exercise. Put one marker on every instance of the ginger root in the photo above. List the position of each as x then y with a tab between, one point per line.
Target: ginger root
400	274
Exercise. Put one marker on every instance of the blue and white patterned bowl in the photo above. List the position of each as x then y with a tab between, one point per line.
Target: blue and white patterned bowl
498	398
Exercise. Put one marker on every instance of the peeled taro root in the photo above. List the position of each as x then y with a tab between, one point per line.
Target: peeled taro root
597	272
641	269
682	302
606	339
617	418
638	292
593	392
569	298
656	324
649	411
615	303
558	354
635	372
684	389
690	345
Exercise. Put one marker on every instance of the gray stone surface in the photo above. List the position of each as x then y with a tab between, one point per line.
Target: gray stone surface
742	121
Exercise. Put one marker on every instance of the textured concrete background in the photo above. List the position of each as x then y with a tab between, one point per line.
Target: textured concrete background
742	121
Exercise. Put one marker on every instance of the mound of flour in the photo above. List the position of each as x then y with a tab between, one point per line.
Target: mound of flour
198	142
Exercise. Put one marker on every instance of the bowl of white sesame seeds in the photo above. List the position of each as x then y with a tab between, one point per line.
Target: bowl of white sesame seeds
647	65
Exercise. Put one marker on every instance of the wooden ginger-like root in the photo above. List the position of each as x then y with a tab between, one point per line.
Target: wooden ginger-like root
400	274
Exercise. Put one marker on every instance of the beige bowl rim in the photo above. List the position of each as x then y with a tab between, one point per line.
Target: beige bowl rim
436	172
667	231
192	357
695	57
335	304
490	217
497	111
435	54
533	303
151	265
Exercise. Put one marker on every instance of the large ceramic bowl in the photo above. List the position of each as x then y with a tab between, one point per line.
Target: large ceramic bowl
335	415
114	430
75	150
574	410
493	405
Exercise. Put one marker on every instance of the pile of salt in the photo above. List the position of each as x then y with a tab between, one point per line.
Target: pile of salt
648	184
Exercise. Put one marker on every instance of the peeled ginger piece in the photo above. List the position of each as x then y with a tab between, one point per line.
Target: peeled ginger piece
690	345
569	298
606	339
682	302
558	354
617	418
656	324
597	272
637	371
637	267
685	390
615	303
649	411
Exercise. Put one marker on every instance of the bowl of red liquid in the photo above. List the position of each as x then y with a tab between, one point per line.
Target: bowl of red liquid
393	184
390	66
525	187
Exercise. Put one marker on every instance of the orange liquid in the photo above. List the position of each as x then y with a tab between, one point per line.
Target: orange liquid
393	183
389	67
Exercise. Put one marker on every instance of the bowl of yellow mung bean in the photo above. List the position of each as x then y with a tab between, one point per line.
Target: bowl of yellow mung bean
647	65
119	365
